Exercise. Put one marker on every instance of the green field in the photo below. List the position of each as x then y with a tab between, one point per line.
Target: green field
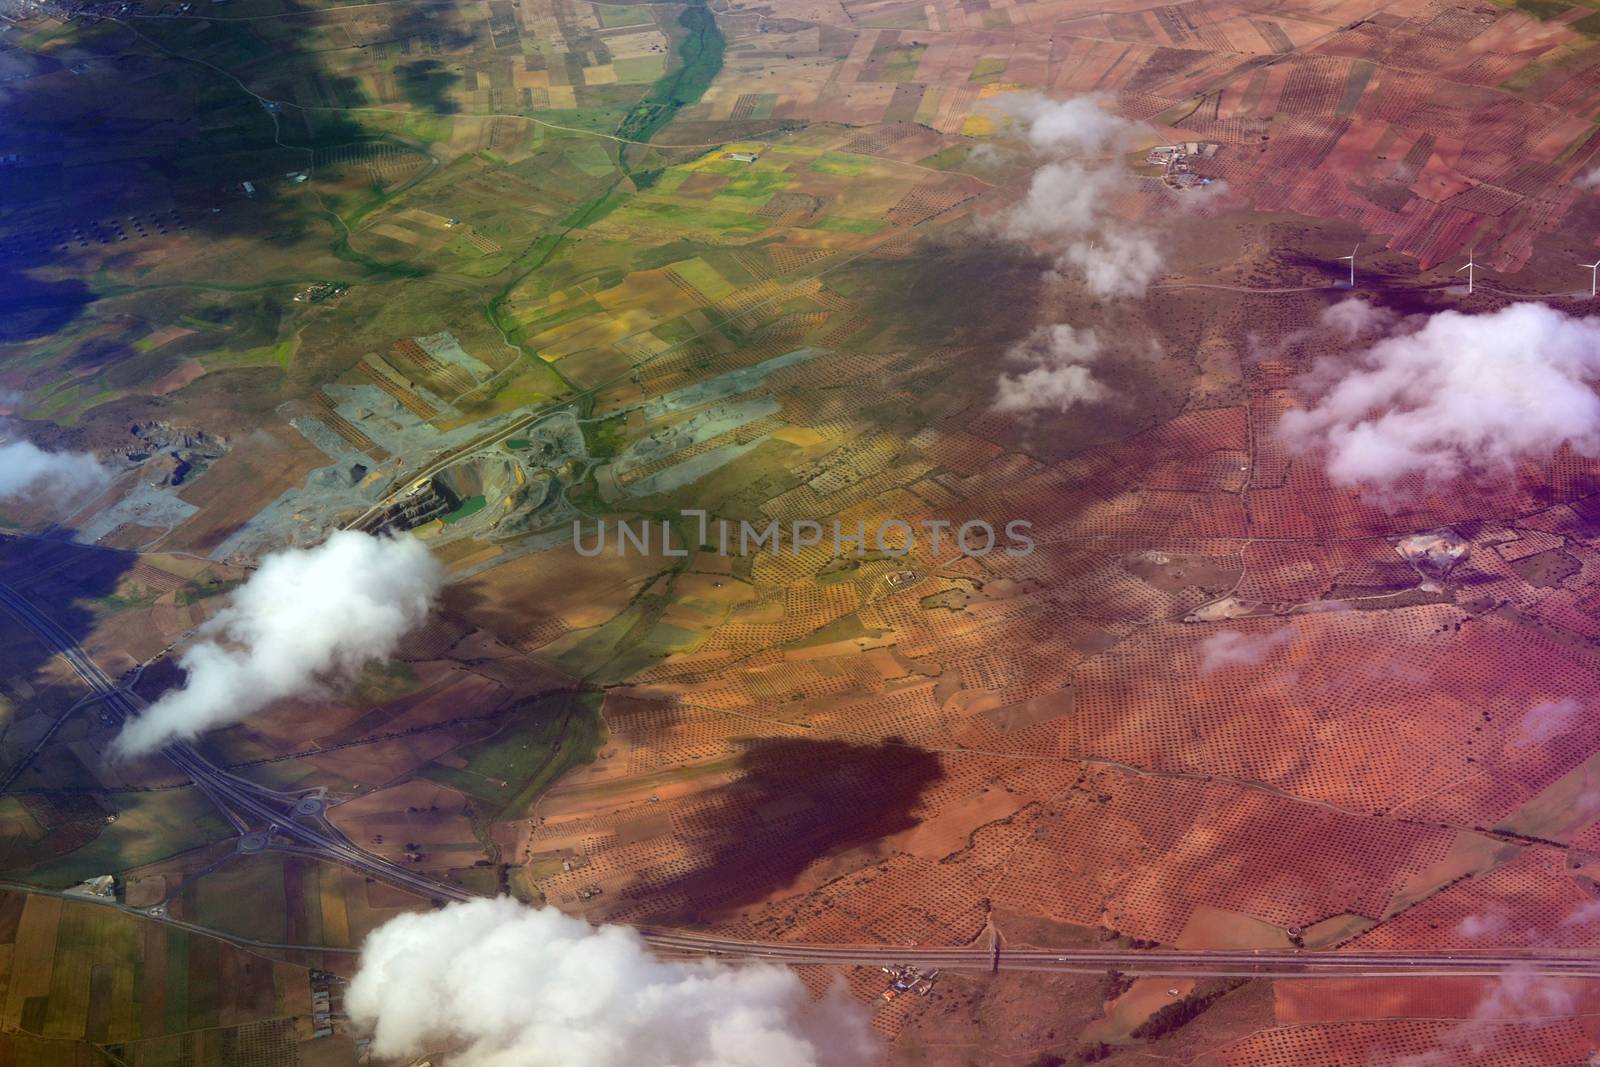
612	17
539	741
83	971
149	826
988	69
700	49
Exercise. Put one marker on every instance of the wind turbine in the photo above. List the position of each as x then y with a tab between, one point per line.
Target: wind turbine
1593	277
1352	258
1467	266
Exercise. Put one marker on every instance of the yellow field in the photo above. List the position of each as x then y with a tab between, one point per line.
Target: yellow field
81	971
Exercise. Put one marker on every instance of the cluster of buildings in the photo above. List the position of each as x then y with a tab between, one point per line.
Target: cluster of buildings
896	579
1177	162
320	292
322	1003
904	978
100	887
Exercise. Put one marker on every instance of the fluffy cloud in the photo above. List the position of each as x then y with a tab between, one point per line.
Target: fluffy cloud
1455	393
1353	318
1589	179
985	154
1118	263
1234	648
305	616
1063	201
1081	124
1067	196
506	985
1057	374
1065	207
27	470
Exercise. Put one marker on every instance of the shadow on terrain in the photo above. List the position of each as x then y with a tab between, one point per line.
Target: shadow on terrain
1402	290
38	769
137	133
427	84
30	306
796	802
62	580
942	305
90	184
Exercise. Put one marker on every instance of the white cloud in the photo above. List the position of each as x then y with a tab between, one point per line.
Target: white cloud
1066	201
1589	179
1457	393
304	617
1057	375
1234	648
1061	388
1065	207
507	985
1081	124
27	470
1587	806
1353	317
1121	262
1547	720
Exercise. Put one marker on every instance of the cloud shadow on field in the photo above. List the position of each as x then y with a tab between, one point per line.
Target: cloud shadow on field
796	801
117	140
426	84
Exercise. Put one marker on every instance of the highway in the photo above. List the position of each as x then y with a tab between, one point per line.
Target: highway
1217	963
257	812
296	821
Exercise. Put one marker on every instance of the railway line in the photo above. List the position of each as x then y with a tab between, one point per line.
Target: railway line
269	819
